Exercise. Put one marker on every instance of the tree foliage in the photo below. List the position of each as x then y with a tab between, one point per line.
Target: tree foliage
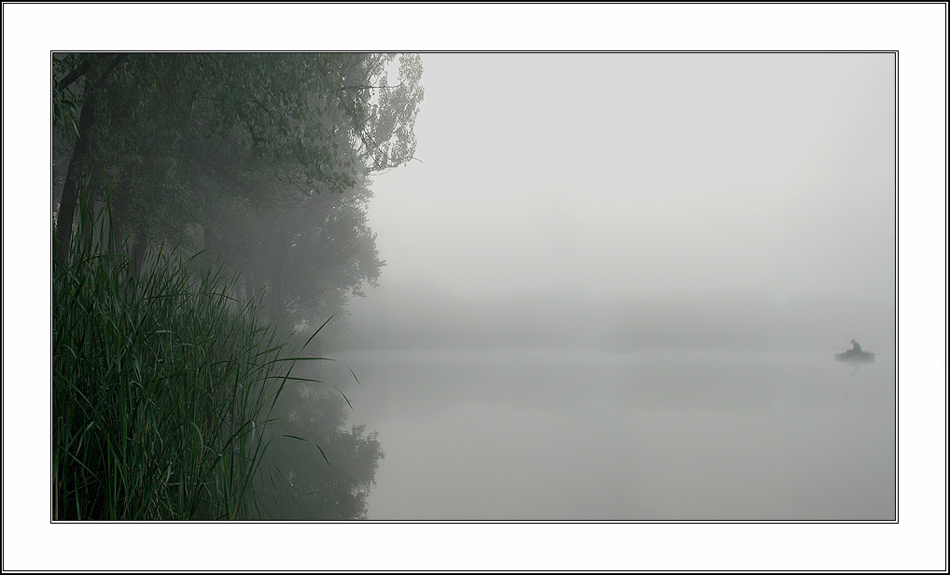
260	163
261	159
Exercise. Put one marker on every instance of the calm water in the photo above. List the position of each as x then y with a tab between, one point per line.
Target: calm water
640	436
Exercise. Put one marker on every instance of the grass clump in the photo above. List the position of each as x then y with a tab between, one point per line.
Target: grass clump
162	388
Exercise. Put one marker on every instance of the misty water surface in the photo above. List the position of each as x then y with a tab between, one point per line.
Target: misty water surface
625	204
558	435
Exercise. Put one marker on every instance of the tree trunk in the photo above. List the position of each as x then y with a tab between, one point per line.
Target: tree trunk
76	169
67	205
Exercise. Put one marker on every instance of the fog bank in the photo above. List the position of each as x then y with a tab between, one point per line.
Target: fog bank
420	316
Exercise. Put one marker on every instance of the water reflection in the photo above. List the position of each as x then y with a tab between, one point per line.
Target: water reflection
650	436
315	467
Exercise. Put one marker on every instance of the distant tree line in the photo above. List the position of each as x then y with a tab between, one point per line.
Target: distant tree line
426	317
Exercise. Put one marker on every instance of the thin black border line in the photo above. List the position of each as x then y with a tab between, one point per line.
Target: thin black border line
497	571
503	571
895	521
488	52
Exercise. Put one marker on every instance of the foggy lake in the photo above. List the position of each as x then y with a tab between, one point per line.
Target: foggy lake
624	304
553	435
589	277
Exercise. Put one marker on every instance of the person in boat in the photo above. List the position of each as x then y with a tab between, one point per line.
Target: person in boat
855	348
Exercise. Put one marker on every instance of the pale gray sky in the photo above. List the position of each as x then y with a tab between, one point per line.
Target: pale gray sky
645	173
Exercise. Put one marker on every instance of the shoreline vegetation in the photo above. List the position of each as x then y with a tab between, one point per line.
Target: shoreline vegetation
173	401
209	210
163	387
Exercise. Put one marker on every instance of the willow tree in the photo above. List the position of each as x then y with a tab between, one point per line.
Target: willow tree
311	245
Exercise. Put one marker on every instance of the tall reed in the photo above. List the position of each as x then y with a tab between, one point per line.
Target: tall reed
162	386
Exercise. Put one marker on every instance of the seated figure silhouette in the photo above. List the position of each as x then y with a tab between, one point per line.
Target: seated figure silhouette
855	354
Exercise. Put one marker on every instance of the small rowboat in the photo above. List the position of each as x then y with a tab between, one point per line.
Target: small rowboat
852	356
